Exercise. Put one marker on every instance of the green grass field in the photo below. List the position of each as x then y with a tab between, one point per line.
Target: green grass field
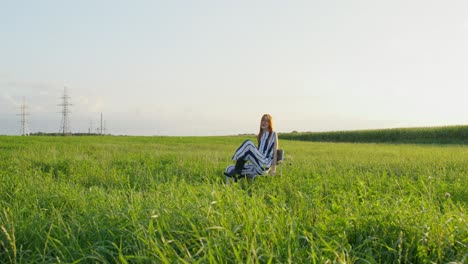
164	200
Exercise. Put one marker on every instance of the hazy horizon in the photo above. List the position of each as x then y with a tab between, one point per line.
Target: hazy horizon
191	68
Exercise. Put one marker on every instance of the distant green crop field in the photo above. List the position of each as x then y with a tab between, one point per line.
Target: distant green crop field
419	135
164	200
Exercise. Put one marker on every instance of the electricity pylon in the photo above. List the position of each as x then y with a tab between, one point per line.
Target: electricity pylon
65	125
24	119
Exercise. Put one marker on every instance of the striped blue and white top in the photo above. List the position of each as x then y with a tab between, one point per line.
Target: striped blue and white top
267	148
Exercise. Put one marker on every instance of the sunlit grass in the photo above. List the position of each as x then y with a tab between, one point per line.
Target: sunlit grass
163	199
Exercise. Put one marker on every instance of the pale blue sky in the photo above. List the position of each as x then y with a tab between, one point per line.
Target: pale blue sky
214	67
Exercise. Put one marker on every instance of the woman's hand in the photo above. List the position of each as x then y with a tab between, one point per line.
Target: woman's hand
272	172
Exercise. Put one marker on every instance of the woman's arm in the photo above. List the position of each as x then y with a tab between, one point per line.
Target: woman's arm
275	157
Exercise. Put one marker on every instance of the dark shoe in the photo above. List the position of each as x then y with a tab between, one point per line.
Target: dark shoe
236	171
237	177
239	166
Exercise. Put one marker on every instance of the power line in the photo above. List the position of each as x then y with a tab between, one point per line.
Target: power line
24	119
90	129
101	124
65	124
102	129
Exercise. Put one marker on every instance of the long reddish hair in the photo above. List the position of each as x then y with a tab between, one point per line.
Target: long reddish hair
270	126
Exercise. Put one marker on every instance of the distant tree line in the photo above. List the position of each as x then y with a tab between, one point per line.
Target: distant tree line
421	135
70	134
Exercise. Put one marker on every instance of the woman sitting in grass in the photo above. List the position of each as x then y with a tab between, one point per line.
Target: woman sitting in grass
262	158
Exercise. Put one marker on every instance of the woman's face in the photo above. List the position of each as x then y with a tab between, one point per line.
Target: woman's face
265	123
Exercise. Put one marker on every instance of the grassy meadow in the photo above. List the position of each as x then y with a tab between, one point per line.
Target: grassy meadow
164	200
